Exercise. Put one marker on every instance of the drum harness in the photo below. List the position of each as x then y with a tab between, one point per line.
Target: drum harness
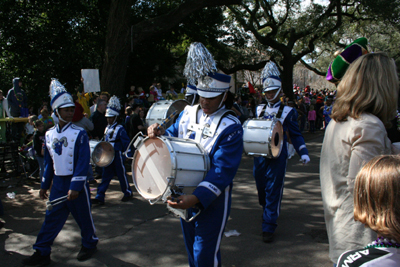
206	131
278	115
111	135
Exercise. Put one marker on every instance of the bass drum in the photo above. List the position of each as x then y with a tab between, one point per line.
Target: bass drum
167	163
160	110
263	138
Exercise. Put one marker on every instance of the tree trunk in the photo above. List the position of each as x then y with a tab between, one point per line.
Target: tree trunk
118	36
287	77
117	47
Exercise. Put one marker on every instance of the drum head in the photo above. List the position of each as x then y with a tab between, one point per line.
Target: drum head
103	154
151	167
276	139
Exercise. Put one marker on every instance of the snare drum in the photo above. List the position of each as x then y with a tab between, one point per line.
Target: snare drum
101	153
262	138
167	163
160	110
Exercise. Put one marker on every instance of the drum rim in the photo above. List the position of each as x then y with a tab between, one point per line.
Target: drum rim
281	142
167	141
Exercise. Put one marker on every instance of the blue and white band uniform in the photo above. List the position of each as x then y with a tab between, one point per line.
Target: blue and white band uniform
116	135
203	235
270	173
66	157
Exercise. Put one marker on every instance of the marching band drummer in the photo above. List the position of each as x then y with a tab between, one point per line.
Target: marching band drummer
213	195
66	158
117	136
270	173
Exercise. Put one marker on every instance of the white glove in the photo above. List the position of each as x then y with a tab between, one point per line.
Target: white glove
305	159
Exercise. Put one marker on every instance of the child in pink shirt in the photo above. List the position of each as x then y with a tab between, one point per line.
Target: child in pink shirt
312	116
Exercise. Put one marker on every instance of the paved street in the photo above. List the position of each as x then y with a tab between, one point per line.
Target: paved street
137	234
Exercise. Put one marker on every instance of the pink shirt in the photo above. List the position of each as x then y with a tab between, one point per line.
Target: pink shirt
312	115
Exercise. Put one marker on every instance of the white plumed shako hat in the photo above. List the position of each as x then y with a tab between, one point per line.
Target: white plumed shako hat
191	90
113	107
270	77
213	85
60	98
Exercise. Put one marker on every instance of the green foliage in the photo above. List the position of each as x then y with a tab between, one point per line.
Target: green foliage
163	58
45	39
41	40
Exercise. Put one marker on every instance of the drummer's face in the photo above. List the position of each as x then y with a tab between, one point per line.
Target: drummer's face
67	113
269	95
210	105
110	120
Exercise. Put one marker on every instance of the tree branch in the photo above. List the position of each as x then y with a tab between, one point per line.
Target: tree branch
161	24
251	67
312	69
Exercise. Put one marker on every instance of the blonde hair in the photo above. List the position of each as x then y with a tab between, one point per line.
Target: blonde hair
377	196
369	85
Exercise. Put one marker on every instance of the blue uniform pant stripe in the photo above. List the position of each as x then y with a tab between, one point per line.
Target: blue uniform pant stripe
269	175
124	178
203	235
116	167
56	218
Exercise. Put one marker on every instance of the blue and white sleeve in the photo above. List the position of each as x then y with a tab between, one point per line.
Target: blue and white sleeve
48	172
81	162
295	134
123	136
225	159
173	130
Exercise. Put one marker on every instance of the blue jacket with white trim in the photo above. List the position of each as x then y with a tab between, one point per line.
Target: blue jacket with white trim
117	136
225	154
66	154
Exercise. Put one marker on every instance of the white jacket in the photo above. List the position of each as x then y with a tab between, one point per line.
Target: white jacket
5	108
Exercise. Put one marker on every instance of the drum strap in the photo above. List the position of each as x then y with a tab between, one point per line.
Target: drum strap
111	135
208	130
280	111
278	115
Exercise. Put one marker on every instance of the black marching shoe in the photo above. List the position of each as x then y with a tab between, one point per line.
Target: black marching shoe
97	201
126	198
85	253
268	237
37	259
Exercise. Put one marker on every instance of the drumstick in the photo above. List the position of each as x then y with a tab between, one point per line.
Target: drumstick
50	204
167	120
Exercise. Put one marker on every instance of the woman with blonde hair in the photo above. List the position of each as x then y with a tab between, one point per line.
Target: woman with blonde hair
366	102
377	206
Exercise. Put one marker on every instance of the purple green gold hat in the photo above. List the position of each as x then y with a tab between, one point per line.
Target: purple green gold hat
339	65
